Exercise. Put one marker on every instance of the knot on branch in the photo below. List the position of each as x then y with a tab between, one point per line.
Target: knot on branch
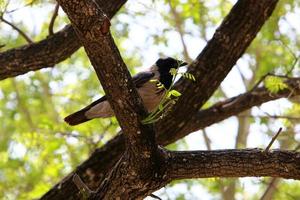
105	25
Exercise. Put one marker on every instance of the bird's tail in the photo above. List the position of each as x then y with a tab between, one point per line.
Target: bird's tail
77	118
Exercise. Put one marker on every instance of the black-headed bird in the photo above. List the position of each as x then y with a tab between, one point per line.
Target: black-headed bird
148	90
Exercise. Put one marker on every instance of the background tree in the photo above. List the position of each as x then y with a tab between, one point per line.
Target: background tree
39	149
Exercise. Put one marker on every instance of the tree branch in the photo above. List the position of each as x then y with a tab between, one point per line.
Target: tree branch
273	140
26	37
234	163
92	27
230	163
139	160
212	65
54	15
47	52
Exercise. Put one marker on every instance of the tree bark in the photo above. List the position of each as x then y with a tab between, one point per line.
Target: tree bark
234	163
136	173
48	52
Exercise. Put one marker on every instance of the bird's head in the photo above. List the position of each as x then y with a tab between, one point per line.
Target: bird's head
162	69
165	64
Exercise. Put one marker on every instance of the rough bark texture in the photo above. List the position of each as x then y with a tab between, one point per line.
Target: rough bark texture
136	173
35	56
228	190
234	163
47	52
93	29
126	182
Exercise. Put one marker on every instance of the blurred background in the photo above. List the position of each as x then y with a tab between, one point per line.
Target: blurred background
37	149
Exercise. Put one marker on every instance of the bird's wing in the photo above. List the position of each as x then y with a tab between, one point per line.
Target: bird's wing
80	117
141	78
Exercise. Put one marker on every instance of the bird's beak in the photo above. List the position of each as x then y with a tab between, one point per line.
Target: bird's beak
182	63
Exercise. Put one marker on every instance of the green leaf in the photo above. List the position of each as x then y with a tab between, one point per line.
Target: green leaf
175	93
173	71
160	107
275	84
189	76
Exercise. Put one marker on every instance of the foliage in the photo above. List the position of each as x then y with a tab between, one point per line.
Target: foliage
275	84
169	98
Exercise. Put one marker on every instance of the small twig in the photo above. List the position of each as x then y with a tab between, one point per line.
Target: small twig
51	24
67	134
83	188
27	38
207	140
260	81
293	66
155	197
273	140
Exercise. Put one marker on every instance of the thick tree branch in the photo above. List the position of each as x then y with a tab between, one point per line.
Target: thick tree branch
47	52
93	28
228	163
213	64
234	163
141	159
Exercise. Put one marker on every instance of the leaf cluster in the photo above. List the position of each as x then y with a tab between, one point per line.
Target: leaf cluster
169	98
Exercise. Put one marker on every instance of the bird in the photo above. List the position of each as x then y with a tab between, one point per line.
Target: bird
147	89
